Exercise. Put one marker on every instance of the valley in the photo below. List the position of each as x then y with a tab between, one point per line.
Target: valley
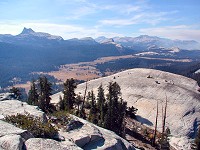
29	54
85	71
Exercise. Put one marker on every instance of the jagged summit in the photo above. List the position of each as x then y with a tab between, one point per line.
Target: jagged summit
27	31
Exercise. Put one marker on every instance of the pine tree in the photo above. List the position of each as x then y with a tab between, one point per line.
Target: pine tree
121	117
116	109
16	92
100	97
131	111
44	93
101	104
78	102
69	94
108	116
33	94
87	102
93	102
61	103
93	109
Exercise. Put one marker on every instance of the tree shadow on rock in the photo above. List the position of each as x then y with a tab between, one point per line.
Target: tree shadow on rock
143	120
94	144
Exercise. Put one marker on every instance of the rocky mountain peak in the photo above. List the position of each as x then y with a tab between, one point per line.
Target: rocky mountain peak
27	31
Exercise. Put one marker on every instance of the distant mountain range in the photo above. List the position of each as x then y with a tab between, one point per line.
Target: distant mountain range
142	42
146	42
32	51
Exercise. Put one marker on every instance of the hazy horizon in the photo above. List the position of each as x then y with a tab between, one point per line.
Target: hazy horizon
86	18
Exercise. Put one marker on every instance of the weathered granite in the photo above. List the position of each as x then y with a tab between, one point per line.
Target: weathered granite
90	136
14	107
49	144
11	142
11	137
142	88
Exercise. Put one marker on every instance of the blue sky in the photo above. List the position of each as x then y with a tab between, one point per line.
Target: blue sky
175	19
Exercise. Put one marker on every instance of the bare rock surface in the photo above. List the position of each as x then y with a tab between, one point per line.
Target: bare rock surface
49	144
11	137
8	129
14	107
11	142
90	136
142	88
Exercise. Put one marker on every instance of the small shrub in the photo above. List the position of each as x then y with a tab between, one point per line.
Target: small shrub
62	117
33	125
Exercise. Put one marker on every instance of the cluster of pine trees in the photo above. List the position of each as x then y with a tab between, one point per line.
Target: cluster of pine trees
39	94
107	111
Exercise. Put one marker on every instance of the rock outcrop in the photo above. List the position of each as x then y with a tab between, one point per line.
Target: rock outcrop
11	142
49	144
142	88
14	107
79	135
11	137
89	136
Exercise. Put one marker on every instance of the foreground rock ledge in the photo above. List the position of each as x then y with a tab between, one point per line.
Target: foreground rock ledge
49	144
90	136
11	137
14	107
87	137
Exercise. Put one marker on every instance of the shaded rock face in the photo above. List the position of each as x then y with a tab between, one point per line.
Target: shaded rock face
13	107
89	136
142	92
11	137
44	144
74	124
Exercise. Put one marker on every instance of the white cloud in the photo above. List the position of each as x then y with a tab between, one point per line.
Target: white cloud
151	18
123	9
88	8
182	32
80	12
121	22
10	28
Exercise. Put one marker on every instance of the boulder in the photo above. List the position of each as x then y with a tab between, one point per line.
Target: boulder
44	144
8	129
11	142
11	137
13	107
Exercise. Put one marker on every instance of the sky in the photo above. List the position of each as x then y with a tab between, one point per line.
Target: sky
174	19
